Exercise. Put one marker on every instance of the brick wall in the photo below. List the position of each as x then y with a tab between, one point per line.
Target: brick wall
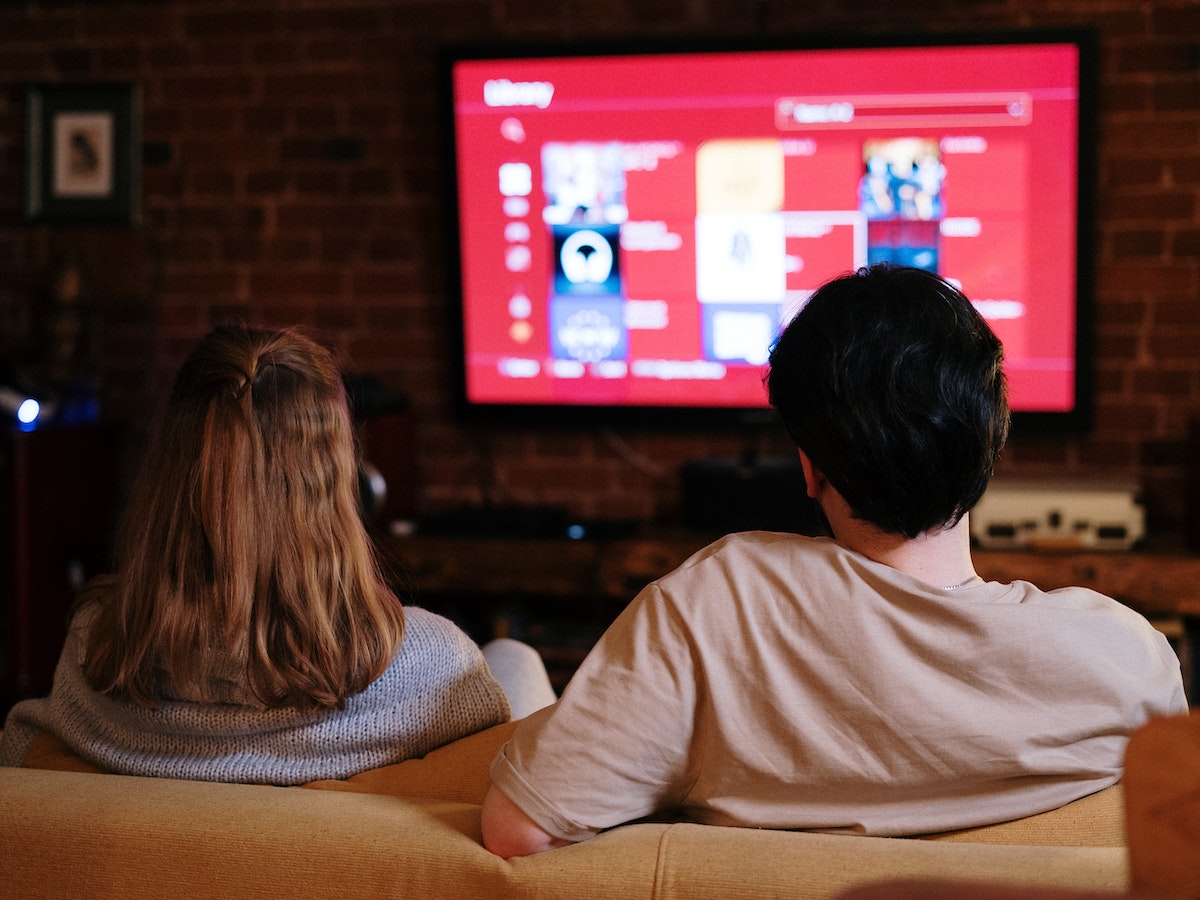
292	177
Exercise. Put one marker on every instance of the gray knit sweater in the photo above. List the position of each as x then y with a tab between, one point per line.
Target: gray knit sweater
437	689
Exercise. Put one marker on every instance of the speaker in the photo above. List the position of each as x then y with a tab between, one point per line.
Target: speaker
389	464
387	470
728	495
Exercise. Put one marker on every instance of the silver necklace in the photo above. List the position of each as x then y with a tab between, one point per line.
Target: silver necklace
961	584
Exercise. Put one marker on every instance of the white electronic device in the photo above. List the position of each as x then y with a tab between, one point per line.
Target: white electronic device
1059	514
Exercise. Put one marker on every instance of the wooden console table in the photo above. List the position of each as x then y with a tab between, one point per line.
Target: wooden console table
561	594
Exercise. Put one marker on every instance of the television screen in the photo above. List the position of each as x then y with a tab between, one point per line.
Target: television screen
631	228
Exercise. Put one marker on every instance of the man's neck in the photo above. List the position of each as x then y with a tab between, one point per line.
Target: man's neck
941	557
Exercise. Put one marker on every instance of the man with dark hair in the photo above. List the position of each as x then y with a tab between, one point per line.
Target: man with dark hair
891	385
867	682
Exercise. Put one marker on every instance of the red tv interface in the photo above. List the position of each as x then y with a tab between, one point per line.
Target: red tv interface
633	229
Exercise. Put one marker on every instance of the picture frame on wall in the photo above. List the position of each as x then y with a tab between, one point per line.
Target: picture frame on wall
83	154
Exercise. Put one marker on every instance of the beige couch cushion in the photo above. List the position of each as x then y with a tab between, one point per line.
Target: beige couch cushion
957	889
701	862
1097	820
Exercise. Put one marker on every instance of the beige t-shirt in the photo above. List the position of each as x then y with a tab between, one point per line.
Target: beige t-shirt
781	681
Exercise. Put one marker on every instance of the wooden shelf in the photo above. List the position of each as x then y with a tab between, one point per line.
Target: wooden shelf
1154	582
1160	581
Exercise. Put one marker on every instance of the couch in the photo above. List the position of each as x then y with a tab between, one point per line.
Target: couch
412	830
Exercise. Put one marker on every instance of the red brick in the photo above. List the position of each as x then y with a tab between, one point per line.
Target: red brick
1142	243
1164	383
1156	56
1177	20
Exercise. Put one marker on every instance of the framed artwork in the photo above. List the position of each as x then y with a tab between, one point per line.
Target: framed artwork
82	150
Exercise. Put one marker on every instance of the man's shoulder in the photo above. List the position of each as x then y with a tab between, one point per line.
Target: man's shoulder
747	558
1071	597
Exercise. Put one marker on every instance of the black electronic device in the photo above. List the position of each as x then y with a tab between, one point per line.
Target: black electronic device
750	494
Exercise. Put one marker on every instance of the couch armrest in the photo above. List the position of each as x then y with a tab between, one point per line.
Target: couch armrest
1162	801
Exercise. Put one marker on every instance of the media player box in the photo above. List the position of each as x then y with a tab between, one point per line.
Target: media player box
727	495
1060	514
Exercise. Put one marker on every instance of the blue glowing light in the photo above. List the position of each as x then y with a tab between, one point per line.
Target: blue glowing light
28	411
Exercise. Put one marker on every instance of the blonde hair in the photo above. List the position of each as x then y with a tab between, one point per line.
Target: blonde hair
242	541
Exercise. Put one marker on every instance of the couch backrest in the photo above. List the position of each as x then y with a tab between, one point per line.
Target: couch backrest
94	835
88	835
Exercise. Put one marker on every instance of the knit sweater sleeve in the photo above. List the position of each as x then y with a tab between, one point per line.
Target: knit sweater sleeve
440	680
437	688
28	717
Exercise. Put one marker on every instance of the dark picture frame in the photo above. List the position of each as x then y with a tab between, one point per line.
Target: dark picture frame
82	150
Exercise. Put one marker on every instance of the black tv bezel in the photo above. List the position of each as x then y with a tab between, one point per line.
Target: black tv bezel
1058	423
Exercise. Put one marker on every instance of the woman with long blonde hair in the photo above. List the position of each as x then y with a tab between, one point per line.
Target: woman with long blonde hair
247	634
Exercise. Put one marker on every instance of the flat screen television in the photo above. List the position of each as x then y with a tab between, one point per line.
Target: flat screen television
631	226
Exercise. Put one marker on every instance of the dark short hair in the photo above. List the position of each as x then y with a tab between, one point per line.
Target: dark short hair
891	382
